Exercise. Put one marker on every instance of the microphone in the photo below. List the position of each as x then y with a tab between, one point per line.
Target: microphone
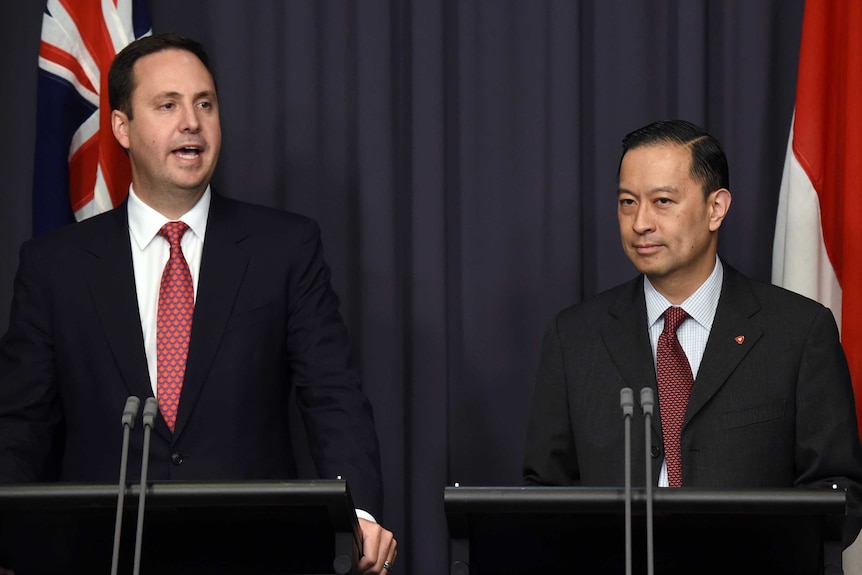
151	408
627	402
647	403
130	411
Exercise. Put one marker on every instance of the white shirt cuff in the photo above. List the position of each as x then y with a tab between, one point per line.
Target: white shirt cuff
365	515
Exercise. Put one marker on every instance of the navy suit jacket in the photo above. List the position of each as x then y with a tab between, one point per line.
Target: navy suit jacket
772	404
266	321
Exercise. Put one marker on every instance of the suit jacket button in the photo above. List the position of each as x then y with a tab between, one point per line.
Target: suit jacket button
655	451
176	459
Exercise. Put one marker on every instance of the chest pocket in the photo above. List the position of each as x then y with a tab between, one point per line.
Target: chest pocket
754	415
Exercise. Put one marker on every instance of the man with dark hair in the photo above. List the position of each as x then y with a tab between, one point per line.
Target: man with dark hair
121	75
753	388
216	307
708	162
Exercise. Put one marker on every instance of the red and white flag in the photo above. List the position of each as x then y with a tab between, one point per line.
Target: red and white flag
818	233
80	170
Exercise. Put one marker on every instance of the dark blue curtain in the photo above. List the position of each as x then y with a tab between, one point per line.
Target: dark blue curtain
461	158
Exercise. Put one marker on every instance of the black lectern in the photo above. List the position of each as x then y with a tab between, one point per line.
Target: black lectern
215	528
525	530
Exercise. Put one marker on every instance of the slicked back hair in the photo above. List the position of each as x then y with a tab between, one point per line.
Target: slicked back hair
121	77
708	162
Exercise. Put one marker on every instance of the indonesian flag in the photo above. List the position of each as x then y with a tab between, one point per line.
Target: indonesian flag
818	233
80	169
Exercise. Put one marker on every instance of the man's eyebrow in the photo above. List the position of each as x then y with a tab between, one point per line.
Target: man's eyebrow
664	190
162	95
656	190
197	96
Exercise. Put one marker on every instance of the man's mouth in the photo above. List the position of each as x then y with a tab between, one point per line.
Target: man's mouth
188	152
646	249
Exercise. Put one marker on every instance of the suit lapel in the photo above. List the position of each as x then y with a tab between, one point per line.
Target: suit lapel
111	279
627	340
223	266
733	334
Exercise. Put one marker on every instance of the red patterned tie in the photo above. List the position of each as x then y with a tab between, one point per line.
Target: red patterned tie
174	323
674	387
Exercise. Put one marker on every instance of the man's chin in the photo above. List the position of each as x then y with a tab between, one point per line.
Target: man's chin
649	266
192	186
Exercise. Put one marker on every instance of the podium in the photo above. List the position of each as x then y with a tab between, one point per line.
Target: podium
294	527
526	530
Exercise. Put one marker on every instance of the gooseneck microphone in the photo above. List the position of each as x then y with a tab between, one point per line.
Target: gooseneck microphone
627	402
151	408
130	412
647	403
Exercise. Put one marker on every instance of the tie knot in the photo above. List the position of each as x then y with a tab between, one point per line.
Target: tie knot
173	232
673	316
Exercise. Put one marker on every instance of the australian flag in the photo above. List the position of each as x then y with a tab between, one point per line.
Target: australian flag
80	169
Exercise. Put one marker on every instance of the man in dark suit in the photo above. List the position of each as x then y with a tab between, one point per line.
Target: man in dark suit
88	327
770	404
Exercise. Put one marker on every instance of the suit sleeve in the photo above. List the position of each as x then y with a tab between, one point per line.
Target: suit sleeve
828	452
550	454
337	415
827	442
29	412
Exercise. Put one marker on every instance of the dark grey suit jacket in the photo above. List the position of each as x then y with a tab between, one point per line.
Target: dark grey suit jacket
266	320
772	410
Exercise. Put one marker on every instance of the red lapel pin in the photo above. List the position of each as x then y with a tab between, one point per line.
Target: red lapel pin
739	339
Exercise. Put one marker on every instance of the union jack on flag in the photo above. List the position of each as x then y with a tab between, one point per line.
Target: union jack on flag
80	169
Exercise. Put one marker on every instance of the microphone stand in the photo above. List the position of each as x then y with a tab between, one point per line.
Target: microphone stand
627	402
130	411
647	403
151	407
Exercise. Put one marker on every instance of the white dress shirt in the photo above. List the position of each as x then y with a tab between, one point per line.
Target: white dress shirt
150	253
692	333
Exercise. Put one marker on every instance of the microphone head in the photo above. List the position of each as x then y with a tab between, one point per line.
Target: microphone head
151	408
647	400
130	411
627	401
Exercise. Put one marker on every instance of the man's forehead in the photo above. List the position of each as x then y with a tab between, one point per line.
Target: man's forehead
658	158
168	58
147	69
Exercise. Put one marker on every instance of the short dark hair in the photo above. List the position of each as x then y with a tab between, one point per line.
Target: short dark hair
121	77
708	162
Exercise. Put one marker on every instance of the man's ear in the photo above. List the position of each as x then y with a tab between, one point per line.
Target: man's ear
719	203
120	127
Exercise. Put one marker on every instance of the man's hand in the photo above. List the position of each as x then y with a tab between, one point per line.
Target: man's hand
379	549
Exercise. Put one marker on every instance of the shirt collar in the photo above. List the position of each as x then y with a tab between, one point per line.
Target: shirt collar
700	306
145	222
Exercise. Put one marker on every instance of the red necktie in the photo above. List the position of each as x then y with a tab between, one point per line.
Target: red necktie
674	387
174	323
